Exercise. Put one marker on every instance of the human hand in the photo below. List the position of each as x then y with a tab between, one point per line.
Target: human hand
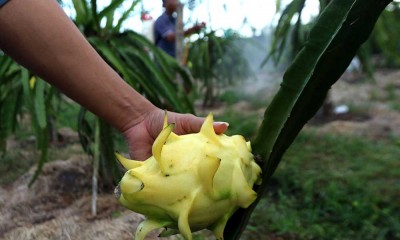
197	27
140	137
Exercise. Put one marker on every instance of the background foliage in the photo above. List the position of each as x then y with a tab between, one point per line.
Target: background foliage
143	66
290	35
334	40
25	98
217	62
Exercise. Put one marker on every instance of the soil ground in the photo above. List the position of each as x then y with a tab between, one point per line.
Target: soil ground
58	206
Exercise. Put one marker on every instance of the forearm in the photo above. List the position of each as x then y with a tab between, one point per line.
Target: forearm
41	37
171	36
188	32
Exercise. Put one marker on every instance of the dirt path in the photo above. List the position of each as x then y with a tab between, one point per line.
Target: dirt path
374	107
58	206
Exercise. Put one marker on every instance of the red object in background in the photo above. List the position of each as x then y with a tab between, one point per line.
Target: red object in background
146	16
147	25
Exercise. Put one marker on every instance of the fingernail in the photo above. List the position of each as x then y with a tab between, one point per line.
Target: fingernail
223	123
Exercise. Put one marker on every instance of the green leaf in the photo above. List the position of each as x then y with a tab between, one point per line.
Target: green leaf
110	21
110	8
386	37
109	55
166	63
210	60
108	163
37	108
278	4
298	74
9	108
85	132
95	18
5	63
316	68
125	15
164	87
138	77
9	111
43	155
283	30
131	56
10	98
39	101
81	10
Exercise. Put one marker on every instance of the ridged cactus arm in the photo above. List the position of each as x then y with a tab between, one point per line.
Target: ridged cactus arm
296	78
337	35
332	64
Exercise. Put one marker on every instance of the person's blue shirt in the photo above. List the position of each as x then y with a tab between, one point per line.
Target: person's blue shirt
2	2
164	25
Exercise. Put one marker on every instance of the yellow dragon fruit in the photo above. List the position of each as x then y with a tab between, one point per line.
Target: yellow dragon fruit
191	182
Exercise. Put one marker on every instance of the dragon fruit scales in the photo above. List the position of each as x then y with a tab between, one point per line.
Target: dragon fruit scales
191	182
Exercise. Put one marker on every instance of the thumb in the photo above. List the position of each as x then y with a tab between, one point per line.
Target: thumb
188	123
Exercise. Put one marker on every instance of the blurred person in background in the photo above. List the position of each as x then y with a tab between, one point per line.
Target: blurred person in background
164	27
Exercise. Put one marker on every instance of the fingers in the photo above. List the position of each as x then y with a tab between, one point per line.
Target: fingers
188	123
220	127
197	27
141	136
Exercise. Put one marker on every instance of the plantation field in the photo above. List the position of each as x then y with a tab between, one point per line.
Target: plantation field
339	180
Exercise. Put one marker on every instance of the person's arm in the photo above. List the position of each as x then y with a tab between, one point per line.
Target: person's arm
40	36
167	31
170	36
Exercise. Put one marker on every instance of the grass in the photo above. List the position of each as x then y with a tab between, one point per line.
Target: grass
256	100
15	163
333	187
389	94
68	114
240	123
392	96
327	186
246	122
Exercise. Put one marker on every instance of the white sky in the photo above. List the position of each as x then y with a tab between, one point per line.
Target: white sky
239	15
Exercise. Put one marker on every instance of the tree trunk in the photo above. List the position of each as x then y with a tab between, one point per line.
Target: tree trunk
179	44
179	34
